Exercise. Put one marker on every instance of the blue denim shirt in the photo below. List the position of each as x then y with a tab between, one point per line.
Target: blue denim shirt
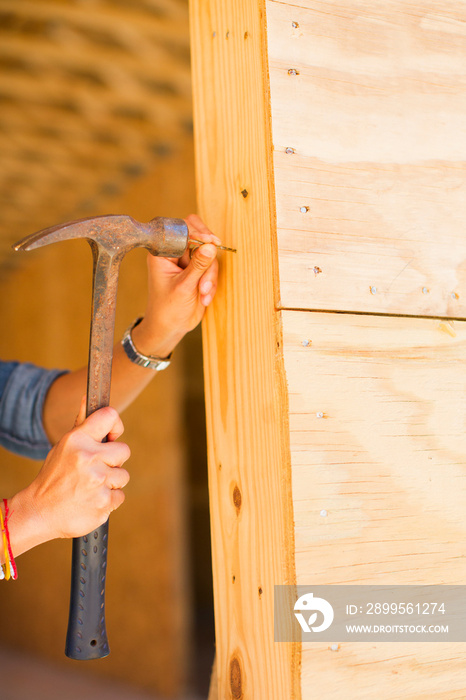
23	388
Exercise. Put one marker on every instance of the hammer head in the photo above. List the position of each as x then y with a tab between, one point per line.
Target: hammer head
117	235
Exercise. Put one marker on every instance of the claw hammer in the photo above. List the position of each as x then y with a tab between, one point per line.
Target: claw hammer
110	238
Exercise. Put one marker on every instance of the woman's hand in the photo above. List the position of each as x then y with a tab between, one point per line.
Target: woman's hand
180	289
79	485
179	292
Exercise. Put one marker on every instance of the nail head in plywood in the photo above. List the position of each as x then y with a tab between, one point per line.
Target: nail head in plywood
379	146
389	467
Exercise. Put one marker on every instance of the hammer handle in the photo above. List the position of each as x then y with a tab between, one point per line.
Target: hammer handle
87	635
110	238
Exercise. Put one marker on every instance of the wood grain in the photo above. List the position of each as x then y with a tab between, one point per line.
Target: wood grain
367	185
377	422
249	477
373	111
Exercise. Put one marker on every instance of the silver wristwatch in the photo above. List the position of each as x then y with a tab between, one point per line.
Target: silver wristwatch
149	361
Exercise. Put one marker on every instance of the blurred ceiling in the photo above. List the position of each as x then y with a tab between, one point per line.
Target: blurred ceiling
92	93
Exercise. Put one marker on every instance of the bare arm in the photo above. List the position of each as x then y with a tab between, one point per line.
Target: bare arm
179	292
82	478
79	485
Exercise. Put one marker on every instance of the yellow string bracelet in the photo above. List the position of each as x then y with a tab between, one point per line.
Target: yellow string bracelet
6	565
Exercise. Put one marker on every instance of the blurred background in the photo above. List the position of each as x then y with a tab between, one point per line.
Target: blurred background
96	118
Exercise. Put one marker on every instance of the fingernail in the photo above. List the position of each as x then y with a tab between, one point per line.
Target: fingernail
206	287
208	251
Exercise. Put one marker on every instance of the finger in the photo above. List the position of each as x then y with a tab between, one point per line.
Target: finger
183	262
199	232
114	454
203	237
201	260
197	226
117	496
117	478
198	240
208	284
205	286
81	417
102	423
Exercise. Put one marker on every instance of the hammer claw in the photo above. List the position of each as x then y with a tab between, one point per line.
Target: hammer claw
117	234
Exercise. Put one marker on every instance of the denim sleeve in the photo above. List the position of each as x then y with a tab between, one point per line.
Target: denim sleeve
23	388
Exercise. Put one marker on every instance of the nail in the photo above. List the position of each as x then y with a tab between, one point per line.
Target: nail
196	244
206	287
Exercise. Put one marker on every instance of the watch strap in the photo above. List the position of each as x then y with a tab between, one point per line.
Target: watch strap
133	354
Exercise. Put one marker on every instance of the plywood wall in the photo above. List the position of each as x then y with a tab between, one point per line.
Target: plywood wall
377	422
353	252
369	142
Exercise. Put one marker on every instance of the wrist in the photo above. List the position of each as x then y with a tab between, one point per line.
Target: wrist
26	525
155	342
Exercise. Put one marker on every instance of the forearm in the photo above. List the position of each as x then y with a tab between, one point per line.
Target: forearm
128	380
179	292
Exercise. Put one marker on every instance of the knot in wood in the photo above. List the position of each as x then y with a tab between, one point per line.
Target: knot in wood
237	499
236	680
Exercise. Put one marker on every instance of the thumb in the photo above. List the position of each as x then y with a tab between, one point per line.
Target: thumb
105	422
201	259
82	412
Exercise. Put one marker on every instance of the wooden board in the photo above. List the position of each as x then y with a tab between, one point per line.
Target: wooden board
249	476
373	112
377	421
367	136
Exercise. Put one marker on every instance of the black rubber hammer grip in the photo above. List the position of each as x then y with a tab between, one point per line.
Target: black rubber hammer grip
87	635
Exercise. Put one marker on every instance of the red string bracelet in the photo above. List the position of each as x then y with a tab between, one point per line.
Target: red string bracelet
14	574
5	568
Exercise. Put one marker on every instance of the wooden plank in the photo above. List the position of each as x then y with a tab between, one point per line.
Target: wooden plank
377	416
373	111
249	476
